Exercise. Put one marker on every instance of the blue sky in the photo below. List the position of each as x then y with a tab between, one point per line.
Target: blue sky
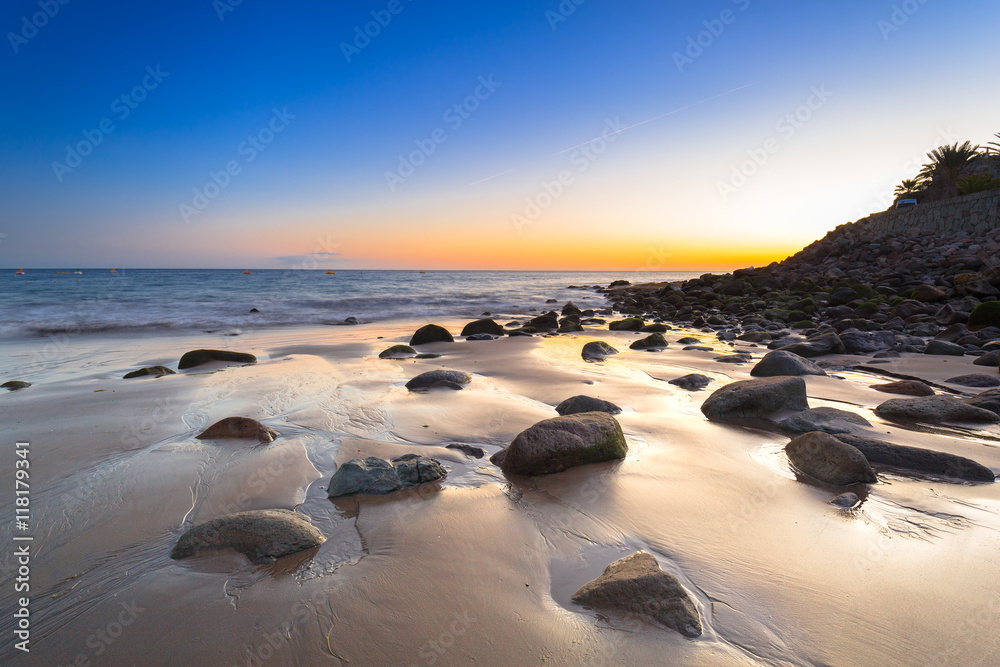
331	124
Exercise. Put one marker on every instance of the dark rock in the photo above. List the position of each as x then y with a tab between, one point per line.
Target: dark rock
888	354
263	536
953	333
571	309
561	443
991	358
544	322
578	404
824	457
943	347
905	387
975	380
240	428
866	342
471	450
985	315
934	410
827	420
480	336
688	340
254	310
370	476
628	324
14	385
739	358
918	460
691	382
431	333
428	355
619	283
846	500
597	350
439	379
698	348
351	321
155	371
650	342
756	398
636	584
816	346
397	352
199	357
928	294
414	469
655	327
781	362
987	400
484	326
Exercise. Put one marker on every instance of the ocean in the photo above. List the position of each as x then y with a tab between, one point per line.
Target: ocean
56	301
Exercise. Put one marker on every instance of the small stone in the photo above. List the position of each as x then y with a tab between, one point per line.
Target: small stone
239	428
691	382
155	371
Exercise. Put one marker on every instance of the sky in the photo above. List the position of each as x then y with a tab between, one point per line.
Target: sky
410	134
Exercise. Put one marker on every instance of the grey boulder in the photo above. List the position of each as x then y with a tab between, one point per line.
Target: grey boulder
827	420
263	536
918	460
934	410
782	362
238	428
440	379
560	443
756	398
824	457
597	350
578	404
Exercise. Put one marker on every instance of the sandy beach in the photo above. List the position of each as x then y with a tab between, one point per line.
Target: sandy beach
477	568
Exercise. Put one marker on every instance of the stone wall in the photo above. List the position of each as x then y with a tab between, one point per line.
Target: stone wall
977	213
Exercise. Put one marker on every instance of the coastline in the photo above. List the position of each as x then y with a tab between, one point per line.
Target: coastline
490	562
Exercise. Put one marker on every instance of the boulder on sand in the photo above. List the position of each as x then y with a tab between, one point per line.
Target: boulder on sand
818	345
597	350
691	381
975	380
987	400
578	404
651	342
756	398
782	362
824	457
14	385
636	584
199	357
560	443
827	420
397	352
943	347
991	358
263	536
918	460
628	324
431	333
375	476
934	410
905	387
155	371
440	379
240	428
484	326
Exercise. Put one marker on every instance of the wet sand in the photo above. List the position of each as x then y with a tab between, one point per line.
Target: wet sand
478	568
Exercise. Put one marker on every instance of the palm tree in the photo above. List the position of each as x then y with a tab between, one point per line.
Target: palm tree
994	146
909	186
977	183
946	163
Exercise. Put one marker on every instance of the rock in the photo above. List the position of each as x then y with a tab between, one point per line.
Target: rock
351	321
619	283
431	333
888	354
928	294
953	333
14	385
934	410
985	315
369	476
740	358
944	347
480	336
905	387
263	536
823	457
414	469
991	358
975	380
561	443
471	450
571	309
688	340
691	382
918	460
846	500
655	327
397	352
578	404
987	400
254	310
818	345
199	357
782	362
756	398
597	350
653	341
428	355
698	348
628	324
636	584
238	428
827	420
439	379
484	326
155	371
866	342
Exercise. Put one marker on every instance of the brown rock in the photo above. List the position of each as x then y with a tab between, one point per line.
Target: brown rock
240	428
